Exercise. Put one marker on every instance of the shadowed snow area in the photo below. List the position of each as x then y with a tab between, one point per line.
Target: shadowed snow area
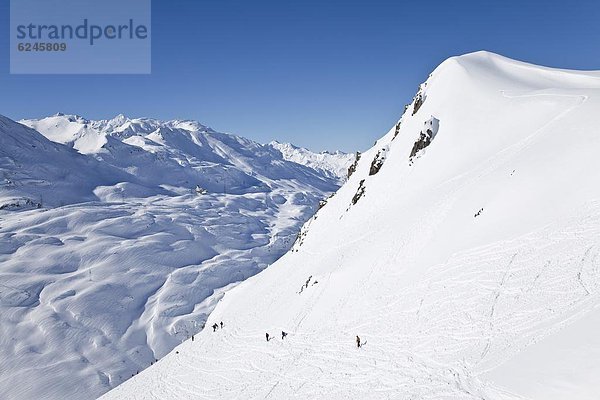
470	270
115	251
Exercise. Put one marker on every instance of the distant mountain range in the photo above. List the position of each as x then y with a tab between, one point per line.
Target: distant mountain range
118	238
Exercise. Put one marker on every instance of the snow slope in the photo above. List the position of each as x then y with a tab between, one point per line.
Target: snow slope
464	251
36	172
111	258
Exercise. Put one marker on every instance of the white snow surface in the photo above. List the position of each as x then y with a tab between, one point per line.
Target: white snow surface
111	258
473	273
332	164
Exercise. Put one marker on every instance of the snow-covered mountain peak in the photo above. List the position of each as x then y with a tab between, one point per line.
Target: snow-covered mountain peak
117	122
334	164
120	117
462	252
190	125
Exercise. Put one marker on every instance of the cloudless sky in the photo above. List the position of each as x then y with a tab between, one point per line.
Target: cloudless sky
327	74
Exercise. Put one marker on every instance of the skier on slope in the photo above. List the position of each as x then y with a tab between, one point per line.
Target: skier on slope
283	335
357	341
267	336
221	324
215	326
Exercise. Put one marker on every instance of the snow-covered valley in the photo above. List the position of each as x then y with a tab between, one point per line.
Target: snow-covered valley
464	251
118	237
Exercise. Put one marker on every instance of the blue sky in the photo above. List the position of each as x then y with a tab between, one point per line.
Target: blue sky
322	74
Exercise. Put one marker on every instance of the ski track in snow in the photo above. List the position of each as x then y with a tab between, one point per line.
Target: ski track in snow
411	354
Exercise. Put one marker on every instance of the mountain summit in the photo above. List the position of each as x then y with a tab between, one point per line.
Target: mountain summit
332	164
464	252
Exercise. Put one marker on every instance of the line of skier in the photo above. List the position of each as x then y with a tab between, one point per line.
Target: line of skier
268	337
216	326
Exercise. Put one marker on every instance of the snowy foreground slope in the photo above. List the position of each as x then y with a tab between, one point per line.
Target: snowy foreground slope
464	251
116	250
